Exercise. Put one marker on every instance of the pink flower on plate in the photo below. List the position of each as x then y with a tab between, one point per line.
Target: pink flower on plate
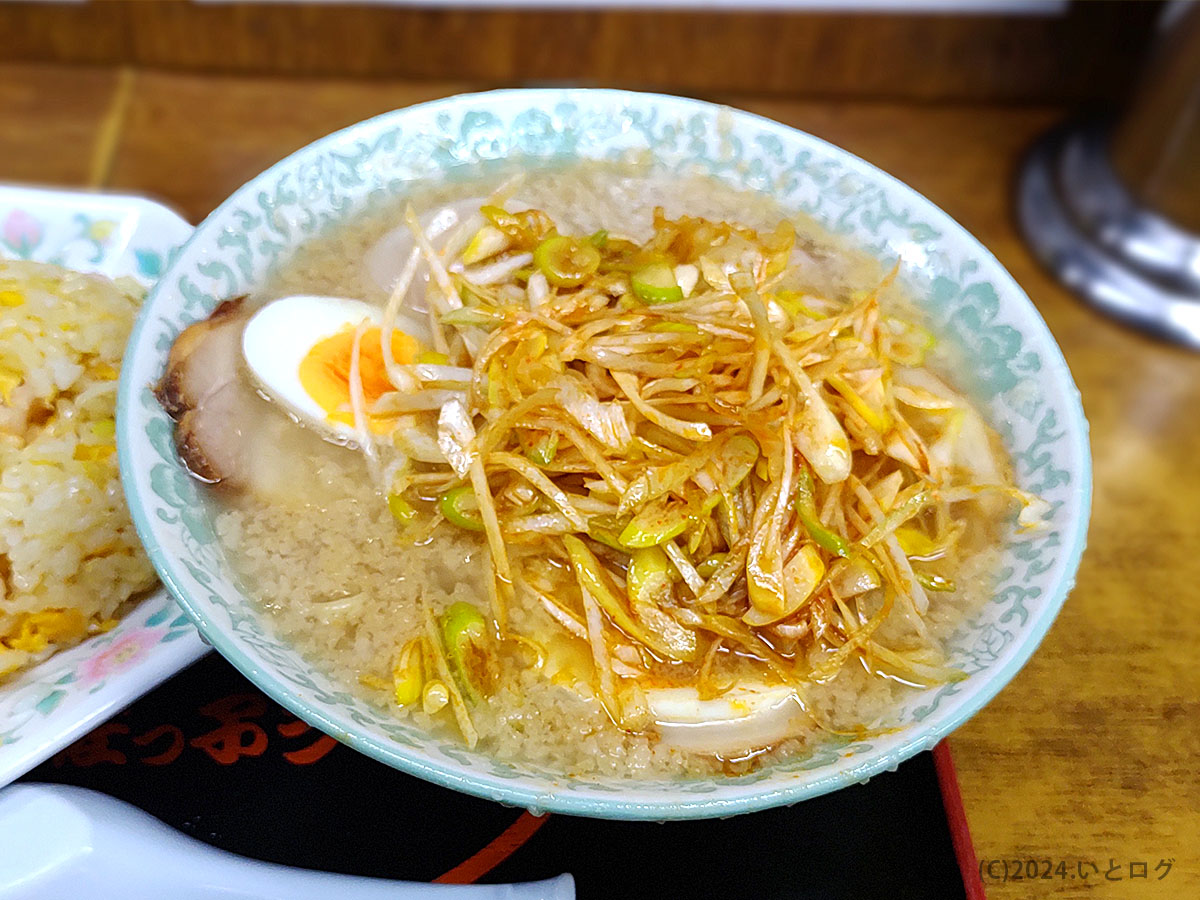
21	232
120	655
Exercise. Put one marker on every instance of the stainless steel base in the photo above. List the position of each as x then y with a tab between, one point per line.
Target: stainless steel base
1123	259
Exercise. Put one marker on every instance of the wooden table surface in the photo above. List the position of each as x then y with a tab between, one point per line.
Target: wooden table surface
1090	756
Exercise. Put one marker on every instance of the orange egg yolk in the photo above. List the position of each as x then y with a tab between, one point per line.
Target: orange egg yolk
325	371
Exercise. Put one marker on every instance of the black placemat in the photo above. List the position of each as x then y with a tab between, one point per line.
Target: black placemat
210	755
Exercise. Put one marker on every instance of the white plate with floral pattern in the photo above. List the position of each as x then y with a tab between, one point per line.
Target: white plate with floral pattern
46	707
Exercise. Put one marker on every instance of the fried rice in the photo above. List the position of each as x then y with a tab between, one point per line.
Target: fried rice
70	561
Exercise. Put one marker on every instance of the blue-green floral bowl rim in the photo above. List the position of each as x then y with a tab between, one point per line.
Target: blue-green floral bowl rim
922	737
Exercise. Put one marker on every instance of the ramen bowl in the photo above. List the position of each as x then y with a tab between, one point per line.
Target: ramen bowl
1018	379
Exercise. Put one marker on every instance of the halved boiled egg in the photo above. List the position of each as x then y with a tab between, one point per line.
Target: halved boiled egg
747	717
300	349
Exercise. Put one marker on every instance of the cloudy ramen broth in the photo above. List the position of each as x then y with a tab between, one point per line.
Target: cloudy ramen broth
805	603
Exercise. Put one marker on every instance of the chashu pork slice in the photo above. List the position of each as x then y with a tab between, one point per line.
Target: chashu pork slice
215	409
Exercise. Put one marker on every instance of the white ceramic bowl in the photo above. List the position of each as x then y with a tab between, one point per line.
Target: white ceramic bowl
1019	378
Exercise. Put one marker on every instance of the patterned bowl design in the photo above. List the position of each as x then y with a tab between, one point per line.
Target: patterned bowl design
1020	378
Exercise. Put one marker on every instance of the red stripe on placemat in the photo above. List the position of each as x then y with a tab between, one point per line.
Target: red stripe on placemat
505	845
515	835
956	817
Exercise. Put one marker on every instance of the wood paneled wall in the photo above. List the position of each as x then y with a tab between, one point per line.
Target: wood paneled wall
1091	53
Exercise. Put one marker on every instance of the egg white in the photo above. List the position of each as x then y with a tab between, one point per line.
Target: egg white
280	335
748	717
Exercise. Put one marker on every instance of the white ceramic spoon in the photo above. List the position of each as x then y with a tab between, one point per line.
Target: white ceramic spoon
63	843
